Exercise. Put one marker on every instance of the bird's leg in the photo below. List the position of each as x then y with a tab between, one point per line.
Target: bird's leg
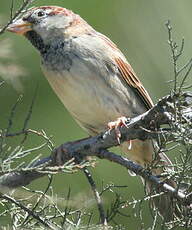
121	121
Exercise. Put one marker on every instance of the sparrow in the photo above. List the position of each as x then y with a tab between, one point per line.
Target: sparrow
94	81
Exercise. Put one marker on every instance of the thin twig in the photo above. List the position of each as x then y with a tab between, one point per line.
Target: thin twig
24	5
97	196
39	200
41	220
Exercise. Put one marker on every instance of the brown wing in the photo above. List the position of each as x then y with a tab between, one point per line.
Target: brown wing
131	79
128	73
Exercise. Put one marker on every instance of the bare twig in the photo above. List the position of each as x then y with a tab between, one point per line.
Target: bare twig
176	53
30	212
39	199
24	5
97	196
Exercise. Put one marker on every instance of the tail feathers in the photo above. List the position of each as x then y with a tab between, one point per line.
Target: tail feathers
142	152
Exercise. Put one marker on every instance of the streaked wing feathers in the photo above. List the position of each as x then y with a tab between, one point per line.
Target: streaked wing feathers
131	79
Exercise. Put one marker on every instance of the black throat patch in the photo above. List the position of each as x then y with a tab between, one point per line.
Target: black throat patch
56	56
37	41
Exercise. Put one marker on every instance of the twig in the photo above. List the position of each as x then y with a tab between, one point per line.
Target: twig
25	124
39	199
97	196
12	114
25	4
29	131
176	54
30	212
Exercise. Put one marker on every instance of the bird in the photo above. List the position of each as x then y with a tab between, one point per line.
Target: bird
94	81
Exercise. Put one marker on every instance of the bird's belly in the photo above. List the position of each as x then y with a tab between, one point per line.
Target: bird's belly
89	98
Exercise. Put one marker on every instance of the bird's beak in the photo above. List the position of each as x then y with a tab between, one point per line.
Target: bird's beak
20	27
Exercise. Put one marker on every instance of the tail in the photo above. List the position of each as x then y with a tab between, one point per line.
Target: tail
142	152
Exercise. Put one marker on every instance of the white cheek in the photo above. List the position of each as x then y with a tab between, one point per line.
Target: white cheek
58	21
41	29
52	26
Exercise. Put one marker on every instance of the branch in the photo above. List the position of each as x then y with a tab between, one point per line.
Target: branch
141	127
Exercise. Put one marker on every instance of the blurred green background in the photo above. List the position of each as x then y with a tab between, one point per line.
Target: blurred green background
138	28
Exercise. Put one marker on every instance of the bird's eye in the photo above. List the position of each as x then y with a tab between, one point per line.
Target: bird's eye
40	14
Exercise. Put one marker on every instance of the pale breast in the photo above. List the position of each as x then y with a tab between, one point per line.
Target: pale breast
87	81
91	100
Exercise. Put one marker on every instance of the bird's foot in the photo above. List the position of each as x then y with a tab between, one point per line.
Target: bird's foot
121	121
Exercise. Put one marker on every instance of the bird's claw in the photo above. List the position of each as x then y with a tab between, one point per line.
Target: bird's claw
121	121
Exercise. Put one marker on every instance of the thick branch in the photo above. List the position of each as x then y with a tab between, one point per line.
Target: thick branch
137	128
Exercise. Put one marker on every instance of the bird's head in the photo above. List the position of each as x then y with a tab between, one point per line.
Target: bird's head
44	20
46	23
